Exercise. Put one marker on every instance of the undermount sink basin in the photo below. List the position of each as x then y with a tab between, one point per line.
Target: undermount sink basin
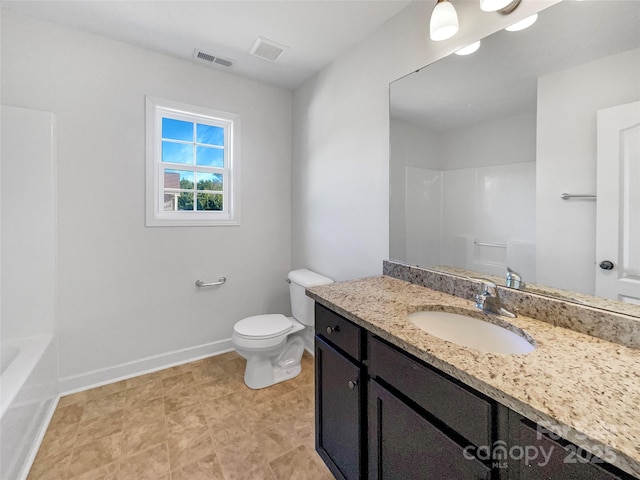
470	332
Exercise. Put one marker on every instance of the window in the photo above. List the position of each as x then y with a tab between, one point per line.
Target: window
192	165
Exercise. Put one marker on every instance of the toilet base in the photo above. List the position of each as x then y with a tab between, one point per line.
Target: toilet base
257	379
263	370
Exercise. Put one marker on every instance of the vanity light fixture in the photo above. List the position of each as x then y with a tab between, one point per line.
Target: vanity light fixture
502	6
469	49
522	24
444	18
444	21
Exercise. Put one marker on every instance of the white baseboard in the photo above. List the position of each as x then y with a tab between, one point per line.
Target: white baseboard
104	376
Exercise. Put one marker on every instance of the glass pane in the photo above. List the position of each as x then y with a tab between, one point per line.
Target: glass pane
177	152
210	157
209	201
178	179
177	201
210	135
210	181
177	129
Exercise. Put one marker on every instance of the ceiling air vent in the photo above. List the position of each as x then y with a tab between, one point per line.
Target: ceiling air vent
268	49
206	57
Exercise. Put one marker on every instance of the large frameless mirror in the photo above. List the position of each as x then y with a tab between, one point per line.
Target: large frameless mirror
526	154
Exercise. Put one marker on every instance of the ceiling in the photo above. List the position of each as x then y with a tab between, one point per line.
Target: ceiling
316	31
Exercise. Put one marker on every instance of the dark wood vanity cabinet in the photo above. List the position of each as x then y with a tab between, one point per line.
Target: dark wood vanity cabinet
545	456
340	386
404	444
382	414
422	425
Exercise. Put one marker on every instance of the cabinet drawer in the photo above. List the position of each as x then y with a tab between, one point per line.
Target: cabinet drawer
464	412
339	331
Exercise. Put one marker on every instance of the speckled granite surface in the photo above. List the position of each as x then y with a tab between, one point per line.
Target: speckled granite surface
586	387
612	326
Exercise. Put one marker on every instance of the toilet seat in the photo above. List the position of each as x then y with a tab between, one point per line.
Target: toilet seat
262	327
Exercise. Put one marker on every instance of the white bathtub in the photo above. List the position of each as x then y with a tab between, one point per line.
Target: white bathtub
28	395
9	353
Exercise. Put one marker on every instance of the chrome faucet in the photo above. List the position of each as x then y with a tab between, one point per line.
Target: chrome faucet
489	300
514	280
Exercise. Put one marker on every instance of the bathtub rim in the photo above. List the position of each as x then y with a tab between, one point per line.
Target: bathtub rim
9	354
30	351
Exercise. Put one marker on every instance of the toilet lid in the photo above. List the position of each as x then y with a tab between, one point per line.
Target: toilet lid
263	326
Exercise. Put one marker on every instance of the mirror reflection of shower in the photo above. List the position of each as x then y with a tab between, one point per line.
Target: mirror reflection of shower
466	210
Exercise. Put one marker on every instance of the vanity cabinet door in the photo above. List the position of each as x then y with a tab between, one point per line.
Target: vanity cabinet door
339	415
405	445
551	459
461	409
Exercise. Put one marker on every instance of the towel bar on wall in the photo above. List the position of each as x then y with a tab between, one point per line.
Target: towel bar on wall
200	283
569	196
487	244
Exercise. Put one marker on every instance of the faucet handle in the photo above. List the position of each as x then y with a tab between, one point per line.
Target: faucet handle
489	301
480	298
486	285
514	280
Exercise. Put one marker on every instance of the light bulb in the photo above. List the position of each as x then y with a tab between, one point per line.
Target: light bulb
444	21
522	24
469	49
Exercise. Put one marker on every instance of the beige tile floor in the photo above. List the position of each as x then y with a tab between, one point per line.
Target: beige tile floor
196	421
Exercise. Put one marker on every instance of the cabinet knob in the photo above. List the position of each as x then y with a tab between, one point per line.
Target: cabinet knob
330	330
352	384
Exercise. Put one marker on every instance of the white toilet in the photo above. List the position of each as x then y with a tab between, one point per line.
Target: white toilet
273	344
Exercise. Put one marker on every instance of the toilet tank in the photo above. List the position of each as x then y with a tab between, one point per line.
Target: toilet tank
301	305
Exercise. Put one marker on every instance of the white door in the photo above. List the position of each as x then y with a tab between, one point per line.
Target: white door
618	207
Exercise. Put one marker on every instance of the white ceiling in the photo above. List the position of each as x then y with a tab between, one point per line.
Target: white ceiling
317	31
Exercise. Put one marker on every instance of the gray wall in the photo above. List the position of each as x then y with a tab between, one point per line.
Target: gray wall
126	295
341	139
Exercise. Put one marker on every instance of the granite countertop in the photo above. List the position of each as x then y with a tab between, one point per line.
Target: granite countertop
583	388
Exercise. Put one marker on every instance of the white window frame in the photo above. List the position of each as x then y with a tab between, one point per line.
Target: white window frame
156	216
